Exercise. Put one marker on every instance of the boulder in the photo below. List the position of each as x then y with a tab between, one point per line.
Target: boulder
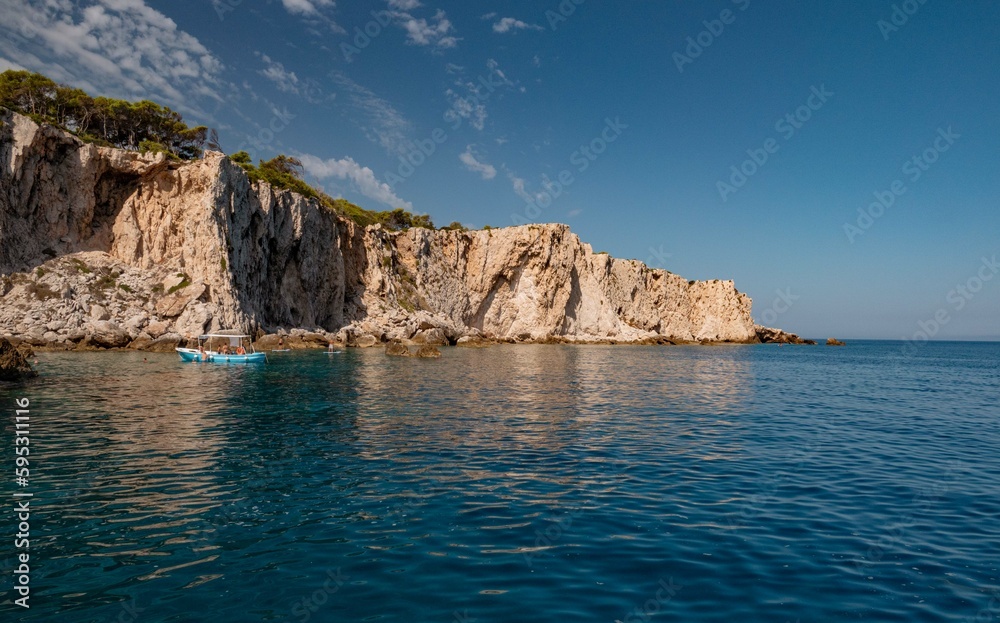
472	341
834	342
431	337
135	324
365	341
164	344
99	312
396	349
107	334
172	282
194	320
13	365
172	305
26	351
158	328
428	352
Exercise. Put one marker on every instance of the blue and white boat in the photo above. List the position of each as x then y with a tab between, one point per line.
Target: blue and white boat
222	348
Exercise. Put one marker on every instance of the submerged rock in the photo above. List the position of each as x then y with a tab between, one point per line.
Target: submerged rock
397	350
428	352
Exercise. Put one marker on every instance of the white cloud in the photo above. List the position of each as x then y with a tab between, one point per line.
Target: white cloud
121	48
363	178
520	188
436	32
471	106
518	183
274	71
508	24
5	65
306	7
382	123
404	5
488	171
468	107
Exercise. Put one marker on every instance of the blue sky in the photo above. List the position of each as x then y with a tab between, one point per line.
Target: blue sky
503	108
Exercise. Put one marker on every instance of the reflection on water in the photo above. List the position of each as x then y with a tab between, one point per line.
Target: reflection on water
526	483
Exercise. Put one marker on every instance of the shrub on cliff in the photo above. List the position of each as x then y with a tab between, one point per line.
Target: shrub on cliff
285	172
139	126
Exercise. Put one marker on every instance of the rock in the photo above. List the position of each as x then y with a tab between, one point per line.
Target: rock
432	337
164	344
13	365
767	335
194	320
396	349
141	342
428	352
55	325
261	256
472	341
315	338
364	341
172	282
136	323
26	351
172	305
158	328
107	334
99	312
834	342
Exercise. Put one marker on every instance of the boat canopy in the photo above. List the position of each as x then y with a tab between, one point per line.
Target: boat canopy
234	339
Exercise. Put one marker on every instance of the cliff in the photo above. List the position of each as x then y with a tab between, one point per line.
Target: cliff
104	247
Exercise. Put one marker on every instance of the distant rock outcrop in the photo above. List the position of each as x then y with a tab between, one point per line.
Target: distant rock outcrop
767	335
834	342
103	247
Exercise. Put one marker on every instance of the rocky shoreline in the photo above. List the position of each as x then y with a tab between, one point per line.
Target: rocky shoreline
102	248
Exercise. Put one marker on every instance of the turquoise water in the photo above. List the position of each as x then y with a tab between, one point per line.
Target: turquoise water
521	483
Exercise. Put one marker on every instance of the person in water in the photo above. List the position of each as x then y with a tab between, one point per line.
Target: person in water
329	347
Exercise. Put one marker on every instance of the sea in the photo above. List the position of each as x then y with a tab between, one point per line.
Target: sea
513	483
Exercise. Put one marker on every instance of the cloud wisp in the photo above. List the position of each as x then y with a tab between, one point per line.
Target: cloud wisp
362	177
472	163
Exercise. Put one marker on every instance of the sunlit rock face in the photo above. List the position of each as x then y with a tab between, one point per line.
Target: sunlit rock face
181	248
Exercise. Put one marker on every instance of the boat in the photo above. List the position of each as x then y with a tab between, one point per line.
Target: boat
231	350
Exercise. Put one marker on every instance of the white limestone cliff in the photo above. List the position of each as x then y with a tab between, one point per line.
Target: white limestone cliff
173	249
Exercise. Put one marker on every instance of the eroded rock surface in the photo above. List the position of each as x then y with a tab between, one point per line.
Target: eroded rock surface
92	235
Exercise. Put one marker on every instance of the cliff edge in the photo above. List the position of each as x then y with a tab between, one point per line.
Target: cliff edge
105	247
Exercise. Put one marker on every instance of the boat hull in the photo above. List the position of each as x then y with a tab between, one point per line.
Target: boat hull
192	355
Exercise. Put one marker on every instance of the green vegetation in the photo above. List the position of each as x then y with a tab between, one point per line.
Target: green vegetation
41	291
40	272
79	265
149	127
285	172
125	287
185	282
455	226
142	126
105	281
